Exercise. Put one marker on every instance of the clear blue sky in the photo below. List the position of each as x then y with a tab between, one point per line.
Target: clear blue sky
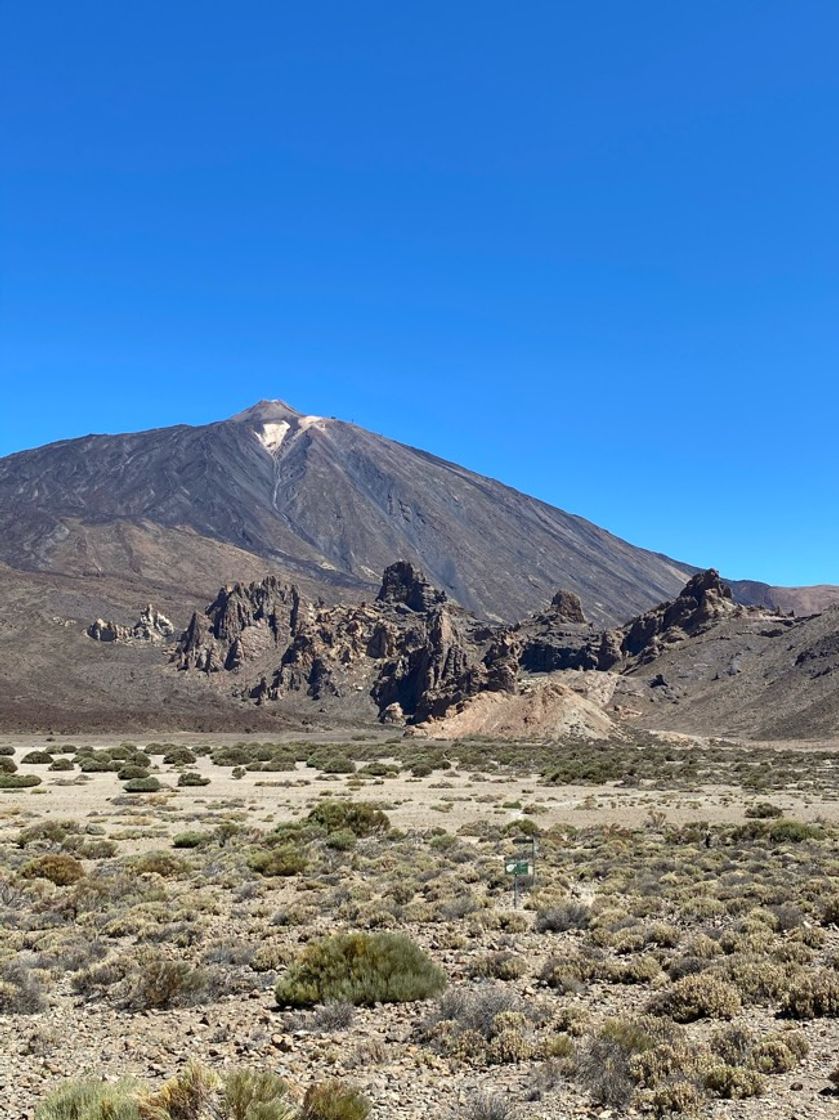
591	249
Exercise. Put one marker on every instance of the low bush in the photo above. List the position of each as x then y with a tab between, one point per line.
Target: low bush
763	810
700	996
565	916
360	968
158	983
334	1100
362	818
812	995
159	863
19	781
489	1106
91	1100
21	991
37	758
191	839
279	862
63	870
198	1093
142	785
337	1015
131	772
179	756
251	1094
192	778
501	965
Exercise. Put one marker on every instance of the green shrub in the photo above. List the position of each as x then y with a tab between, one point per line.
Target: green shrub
60	869
159	863
37	758
7	765
812	995
142	785
500	965
192	778
62	764
332	764
360	968
255	1095
699	996
179	756
130	772
91	1100
48	831
794	832
282	861
333	1100
733	1083
191	839
189	1095
362	818
91	761
19	781
341	841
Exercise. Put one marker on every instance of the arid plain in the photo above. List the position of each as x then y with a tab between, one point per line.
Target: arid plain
676	951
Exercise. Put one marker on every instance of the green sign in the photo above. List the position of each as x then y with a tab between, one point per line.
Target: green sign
518	867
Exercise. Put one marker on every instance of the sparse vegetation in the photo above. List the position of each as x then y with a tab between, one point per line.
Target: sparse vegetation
630	976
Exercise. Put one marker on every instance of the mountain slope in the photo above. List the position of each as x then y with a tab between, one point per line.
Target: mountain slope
317	499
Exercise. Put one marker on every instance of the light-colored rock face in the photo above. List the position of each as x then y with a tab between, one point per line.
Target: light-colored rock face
151	626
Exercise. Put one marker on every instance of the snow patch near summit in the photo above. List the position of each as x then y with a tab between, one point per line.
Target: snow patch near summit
272	435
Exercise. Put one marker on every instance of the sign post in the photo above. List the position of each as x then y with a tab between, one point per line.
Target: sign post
520	869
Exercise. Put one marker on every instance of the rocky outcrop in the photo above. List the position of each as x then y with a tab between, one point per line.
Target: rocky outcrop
559	638
566	607
243	622
704	600
151	626
403	583
412	656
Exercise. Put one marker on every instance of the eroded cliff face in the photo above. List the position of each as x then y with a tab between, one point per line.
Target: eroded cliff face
412	656
410	653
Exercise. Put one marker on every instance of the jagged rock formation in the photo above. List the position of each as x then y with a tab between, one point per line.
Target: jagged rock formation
704	600
411	653
242	622
151	626
413	656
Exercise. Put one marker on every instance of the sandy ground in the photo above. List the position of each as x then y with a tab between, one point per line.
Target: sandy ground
450	799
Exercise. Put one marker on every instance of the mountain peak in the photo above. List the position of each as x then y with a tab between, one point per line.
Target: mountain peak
266	412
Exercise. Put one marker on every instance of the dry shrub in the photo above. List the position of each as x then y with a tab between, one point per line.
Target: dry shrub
60	869
812	995
334	1100
701	996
